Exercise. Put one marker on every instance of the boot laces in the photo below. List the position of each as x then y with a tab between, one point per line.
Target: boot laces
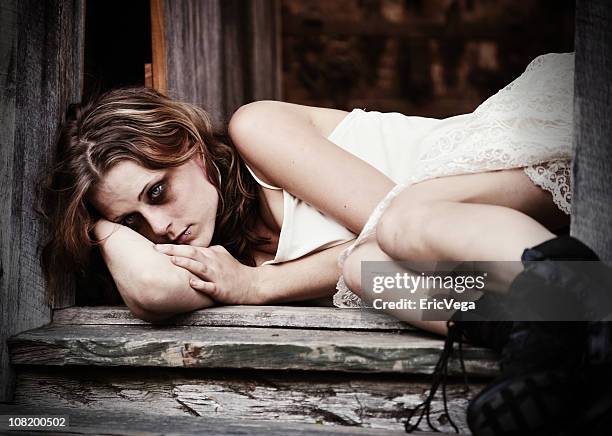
439	377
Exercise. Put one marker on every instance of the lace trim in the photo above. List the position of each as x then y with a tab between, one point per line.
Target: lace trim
345	297
529	123
555	177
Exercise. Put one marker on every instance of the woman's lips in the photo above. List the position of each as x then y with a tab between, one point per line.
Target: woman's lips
185	236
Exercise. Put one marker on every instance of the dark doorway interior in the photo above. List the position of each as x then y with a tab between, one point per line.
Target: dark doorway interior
117	44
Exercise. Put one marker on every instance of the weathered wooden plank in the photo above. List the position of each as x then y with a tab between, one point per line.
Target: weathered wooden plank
235	40
243	316
194	53
158	46
265	53
592	166
8	84
41	69
228	347
217	55
379	402
101	422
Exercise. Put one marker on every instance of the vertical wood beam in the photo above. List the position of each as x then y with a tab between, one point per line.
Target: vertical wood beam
222	54
266	50
40	74
592	166
158	46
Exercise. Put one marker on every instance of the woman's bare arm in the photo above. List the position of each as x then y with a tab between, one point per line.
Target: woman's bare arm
309	277
151	286
154	288
286	144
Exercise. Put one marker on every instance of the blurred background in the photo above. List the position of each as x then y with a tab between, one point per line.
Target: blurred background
432	58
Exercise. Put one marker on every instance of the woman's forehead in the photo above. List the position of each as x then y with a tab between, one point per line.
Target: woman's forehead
121	187
127	175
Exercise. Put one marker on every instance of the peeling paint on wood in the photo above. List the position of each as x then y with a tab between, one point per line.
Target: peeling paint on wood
228	347
377	402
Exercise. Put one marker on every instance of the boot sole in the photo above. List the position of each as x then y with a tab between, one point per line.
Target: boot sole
532	404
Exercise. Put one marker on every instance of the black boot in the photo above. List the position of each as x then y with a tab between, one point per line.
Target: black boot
541	361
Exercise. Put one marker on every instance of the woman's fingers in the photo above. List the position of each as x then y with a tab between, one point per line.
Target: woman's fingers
202	286
193	266
189	251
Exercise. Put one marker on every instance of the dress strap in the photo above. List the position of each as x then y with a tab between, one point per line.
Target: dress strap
264	184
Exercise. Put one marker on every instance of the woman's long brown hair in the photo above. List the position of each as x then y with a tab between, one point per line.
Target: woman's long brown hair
146	127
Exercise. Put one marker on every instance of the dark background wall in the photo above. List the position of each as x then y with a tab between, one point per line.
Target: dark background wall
421	57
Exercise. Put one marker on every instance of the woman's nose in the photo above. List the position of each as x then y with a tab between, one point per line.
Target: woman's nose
159	222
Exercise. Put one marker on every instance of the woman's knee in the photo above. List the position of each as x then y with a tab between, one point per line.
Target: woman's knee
351	270
403	223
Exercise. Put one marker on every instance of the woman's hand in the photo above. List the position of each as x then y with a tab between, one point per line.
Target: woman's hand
217	273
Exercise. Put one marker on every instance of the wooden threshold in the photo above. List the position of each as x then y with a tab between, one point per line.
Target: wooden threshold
242	316
240	348
91	421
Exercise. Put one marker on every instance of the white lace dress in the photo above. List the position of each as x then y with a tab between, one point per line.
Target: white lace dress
529	124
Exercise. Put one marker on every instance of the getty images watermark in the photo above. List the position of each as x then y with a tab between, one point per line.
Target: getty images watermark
494	291
422	284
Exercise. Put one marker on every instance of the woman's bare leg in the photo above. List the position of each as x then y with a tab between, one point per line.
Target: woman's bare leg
461	231
447	217
490	216
370	251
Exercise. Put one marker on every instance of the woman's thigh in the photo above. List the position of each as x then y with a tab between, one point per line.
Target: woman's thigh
509	188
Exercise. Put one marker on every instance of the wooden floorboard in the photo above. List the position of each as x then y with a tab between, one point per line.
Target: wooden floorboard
244	316
346	399
230	347
103	422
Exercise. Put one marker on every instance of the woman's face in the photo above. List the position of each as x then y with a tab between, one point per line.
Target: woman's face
172	205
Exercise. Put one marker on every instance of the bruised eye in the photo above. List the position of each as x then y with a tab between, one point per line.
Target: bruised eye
156	193
130	220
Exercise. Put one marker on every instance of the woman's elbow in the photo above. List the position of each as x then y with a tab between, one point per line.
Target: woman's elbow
147	299
150	317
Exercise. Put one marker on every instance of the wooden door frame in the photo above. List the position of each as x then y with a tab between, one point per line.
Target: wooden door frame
41	70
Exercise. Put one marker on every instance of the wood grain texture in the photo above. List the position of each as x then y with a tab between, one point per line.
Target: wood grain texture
243	316
221	54
158	46
97	422
229	347
194	53
592	167
41	68
8	84
375	402
266	49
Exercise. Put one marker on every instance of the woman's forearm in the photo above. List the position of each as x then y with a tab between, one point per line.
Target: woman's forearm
312	276
151	286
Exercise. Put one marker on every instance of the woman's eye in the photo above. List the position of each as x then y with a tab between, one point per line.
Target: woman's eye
156	192
129	220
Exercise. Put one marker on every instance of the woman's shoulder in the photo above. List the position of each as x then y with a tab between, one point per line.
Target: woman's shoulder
324	120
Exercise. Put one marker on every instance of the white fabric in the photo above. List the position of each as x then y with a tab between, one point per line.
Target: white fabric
526	124
304	230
